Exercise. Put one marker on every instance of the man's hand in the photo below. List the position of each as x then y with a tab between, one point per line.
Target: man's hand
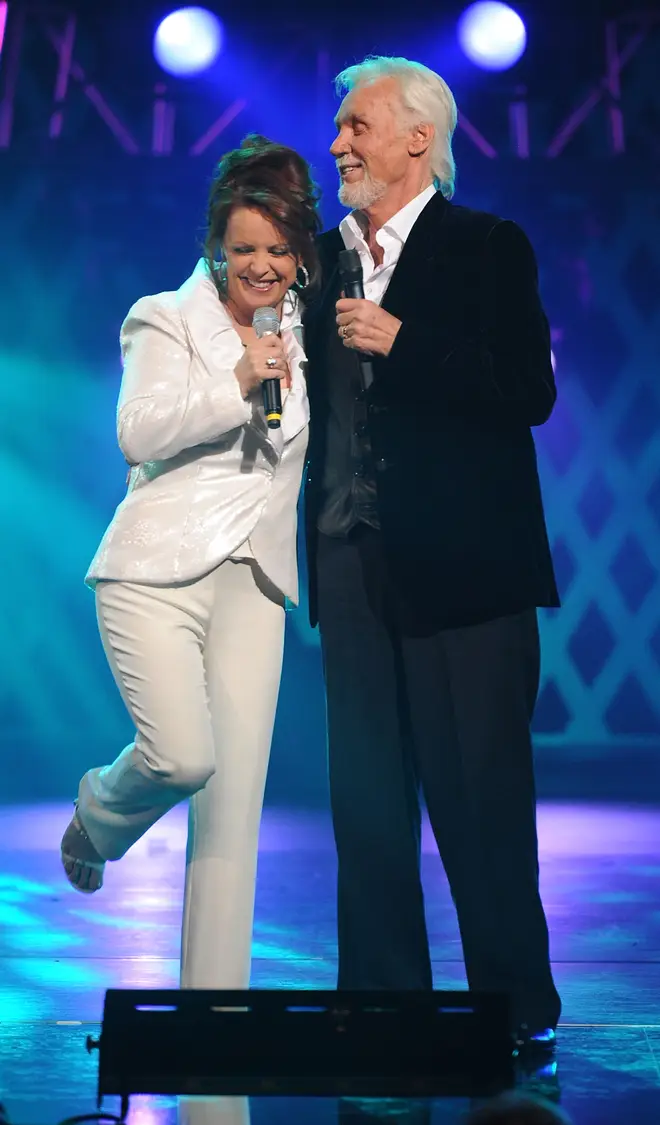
366	327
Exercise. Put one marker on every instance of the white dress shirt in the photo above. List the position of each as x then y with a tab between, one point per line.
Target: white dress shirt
210	480
391	236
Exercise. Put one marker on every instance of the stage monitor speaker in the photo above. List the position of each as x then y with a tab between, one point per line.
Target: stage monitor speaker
307	1042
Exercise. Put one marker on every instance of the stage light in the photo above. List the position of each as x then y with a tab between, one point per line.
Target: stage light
492	35
3	23
188	41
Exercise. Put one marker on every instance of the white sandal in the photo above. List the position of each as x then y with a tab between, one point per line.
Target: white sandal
75	865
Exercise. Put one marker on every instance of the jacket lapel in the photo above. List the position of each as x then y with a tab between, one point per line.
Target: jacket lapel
322	307
207	322
419	249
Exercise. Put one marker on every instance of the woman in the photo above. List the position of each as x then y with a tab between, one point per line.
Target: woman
193	573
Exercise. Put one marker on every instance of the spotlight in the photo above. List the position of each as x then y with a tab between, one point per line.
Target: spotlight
492	35
3	22
188	41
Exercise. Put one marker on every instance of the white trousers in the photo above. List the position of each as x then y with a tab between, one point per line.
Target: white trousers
198	666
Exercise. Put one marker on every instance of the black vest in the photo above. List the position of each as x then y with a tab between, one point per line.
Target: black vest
348	478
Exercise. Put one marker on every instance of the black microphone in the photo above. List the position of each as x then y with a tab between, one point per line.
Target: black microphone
350	270
266	322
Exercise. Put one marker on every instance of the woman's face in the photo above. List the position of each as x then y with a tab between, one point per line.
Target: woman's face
260	265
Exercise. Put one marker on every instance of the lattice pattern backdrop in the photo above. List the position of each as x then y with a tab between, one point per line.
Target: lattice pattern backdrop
600	461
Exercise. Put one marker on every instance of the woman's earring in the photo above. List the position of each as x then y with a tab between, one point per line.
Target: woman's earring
222	275
302	277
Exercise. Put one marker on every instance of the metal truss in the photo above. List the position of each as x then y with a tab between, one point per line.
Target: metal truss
622	39
59	26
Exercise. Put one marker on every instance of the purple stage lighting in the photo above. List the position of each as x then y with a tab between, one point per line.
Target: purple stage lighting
188	41
492	35
3	22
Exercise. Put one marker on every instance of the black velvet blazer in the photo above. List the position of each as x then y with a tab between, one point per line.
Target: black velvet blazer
450	412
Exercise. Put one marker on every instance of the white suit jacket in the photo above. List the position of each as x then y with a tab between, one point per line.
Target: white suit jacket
208	475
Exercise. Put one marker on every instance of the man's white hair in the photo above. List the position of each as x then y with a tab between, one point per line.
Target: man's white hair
426	99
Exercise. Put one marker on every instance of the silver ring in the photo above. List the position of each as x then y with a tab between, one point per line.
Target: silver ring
271	361
342	331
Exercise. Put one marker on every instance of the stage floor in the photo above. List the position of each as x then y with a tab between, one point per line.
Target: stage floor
59	951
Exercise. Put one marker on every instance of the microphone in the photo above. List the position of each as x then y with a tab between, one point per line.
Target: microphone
266	322
350	270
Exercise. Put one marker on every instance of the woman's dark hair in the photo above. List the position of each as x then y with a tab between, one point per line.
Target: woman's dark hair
275	180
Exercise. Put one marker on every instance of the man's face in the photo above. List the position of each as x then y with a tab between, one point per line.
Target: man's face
372	146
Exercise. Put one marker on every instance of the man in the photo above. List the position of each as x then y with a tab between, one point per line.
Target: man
428	550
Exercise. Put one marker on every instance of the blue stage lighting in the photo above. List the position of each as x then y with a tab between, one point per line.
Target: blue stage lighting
492	35
188	41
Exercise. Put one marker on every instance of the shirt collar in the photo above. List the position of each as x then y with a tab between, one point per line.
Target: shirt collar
399	226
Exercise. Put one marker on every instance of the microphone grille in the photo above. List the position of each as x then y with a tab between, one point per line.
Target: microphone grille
265	321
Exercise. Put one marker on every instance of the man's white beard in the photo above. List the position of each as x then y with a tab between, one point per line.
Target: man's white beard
363	194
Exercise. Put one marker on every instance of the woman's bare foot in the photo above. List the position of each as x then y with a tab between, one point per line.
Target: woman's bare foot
81	861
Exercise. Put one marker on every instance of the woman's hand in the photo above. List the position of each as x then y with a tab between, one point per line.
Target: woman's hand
262	359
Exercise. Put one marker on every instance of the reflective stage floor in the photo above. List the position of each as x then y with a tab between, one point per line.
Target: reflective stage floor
59	951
